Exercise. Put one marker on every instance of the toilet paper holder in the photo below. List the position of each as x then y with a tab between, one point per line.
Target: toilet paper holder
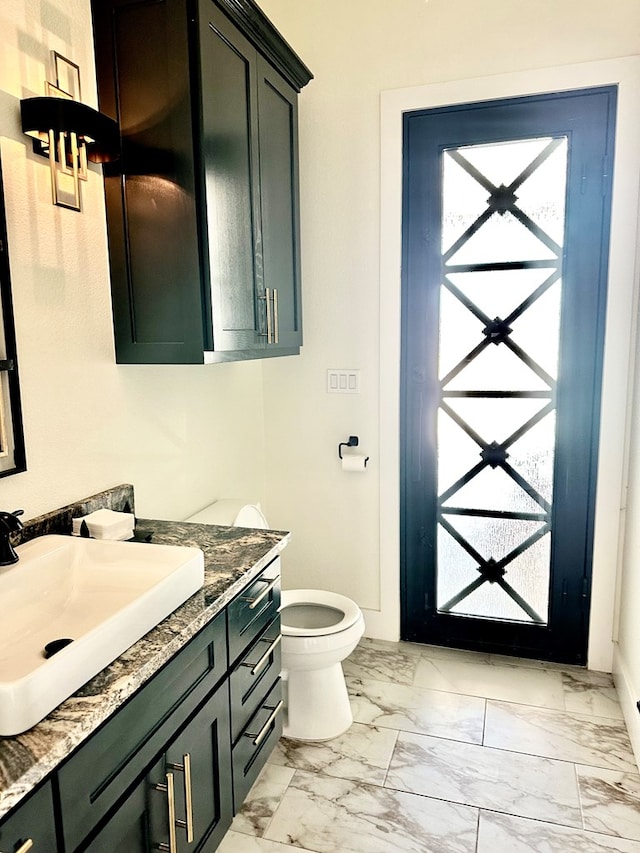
353	441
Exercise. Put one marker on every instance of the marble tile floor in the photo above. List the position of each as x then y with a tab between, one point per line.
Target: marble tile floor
453	751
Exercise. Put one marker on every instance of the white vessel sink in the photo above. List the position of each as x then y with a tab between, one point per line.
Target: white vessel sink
102	595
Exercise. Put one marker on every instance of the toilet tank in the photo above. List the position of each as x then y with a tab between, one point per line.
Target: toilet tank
232	513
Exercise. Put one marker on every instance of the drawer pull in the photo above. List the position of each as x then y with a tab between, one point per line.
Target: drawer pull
276	322
256	667
26	845
254	602
185	768
171	847
258	738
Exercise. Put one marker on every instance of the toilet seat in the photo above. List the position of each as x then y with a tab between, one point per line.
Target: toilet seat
318	598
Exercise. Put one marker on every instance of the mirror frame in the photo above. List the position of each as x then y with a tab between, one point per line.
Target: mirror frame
9	387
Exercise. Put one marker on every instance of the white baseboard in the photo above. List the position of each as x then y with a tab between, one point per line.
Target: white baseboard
628	694
378	626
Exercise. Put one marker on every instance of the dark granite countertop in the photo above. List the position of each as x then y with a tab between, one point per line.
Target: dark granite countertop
232	555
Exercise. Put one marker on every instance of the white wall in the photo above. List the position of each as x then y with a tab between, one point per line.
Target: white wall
357	50
185	434
626	664
181	435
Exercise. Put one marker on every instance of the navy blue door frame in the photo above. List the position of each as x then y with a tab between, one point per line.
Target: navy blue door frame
586	117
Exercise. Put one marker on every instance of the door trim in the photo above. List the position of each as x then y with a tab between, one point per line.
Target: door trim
619	334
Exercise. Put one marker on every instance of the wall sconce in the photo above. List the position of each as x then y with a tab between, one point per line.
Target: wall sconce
68	132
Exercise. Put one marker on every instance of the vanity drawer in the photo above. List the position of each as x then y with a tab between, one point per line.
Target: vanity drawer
101	770
256	743
253	609
253	676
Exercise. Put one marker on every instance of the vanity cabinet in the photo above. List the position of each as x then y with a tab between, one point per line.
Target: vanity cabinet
202	208
101	772
184	799
32	822
171	766
255	685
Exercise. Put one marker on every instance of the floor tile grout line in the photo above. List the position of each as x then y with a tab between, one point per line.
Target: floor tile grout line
282	796
488	809
423	650
575	769
596	719
558	710
349	675
580	715
482	745
484	720
551	823
391	754
379	725
477	831
485	808
282	844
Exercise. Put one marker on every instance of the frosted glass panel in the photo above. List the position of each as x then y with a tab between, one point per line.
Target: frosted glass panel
496	420
460	332
499	292
473	201
503	238
503	162
493	489
490	601
533	455
456	568
496	368
537	331
456	452
502	235
494	537
542	196
530	576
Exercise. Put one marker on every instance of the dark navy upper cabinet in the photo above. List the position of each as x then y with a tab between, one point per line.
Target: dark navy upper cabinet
202	208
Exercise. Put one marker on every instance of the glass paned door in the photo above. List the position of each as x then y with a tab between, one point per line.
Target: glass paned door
505	240
498	262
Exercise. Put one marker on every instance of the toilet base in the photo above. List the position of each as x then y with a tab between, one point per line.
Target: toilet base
317	704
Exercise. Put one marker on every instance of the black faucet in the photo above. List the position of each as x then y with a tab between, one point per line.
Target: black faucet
9	523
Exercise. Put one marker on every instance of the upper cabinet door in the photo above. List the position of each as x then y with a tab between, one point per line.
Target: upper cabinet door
278	129
202	209
151	192
230	161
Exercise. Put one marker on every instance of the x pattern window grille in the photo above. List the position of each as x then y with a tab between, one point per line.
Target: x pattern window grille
498	331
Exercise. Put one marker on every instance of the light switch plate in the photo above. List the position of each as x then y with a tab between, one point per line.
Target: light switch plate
343	381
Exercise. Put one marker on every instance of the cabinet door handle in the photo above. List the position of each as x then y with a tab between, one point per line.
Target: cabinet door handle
267	291
185	768
256	667
171	847
254	602
275	316
267	304
258	738
26	845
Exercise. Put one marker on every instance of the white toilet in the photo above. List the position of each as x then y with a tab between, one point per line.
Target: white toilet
319	630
